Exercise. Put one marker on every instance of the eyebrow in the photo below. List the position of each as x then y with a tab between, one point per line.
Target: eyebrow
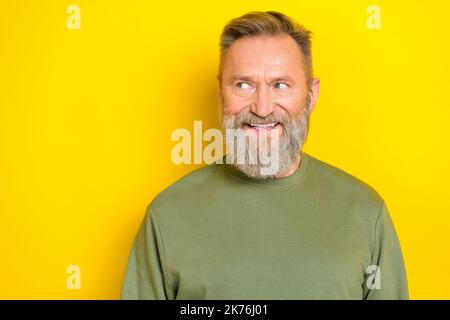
283	77
242	77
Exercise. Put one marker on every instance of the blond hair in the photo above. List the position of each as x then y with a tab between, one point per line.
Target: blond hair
268	23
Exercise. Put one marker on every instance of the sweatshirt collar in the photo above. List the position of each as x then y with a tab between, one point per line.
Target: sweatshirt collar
294	178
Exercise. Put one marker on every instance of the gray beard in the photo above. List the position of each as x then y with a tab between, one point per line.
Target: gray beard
295	133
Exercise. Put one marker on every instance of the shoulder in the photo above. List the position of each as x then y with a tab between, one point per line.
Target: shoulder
188	191
344	185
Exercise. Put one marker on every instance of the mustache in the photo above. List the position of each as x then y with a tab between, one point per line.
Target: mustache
250	117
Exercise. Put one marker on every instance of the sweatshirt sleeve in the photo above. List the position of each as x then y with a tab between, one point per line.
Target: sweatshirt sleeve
386	276
144	276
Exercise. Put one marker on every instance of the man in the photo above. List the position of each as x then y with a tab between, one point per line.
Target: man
306	230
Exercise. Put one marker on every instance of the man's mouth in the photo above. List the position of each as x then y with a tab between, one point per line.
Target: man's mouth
264	127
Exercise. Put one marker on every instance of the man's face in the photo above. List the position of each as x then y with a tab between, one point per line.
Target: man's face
264	92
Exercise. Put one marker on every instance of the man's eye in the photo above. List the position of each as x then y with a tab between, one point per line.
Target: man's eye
243	86
281	86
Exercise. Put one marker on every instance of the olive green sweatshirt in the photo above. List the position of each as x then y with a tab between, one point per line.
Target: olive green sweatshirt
319	233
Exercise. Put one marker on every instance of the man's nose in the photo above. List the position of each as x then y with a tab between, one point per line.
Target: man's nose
262	105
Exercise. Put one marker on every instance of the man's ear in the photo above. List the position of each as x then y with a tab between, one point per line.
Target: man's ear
219	94
314	93
219	102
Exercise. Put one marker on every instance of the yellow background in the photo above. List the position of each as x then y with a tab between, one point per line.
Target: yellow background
86	117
